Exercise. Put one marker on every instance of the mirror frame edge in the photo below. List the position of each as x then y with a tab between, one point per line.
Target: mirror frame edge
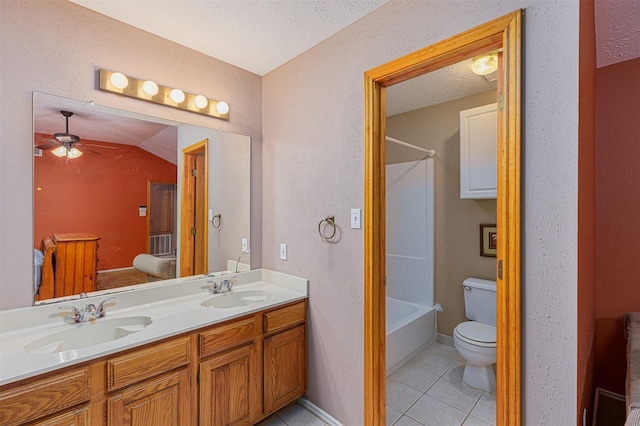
504	32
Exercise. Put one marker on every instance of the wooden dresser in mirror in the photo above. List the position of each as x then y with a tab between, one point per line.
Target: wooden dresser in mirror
69	266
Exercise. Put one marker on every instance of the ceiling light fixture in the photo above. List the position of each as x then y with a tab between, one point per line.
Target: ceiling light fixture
69	152
148	90
485	64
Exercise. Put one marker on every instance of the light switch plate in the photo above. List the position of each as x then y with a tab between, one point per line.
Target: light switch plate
245	245
283	251
355	219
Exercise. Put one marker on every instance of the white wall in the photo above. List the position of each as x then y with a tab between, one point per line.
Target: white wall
55	47
313	167
409	231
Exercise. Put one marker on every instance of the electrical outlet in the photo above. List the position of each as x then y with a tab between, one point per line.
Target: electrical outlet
355	219
283	251
210	215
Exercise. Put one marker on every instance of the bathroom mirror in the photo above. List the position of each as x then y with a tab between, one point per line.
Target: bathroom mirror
124	191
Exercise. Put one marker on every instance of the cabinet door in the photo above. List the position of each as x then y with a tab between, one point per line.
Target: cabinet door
163	401
77	417
479	152
284	368
230	388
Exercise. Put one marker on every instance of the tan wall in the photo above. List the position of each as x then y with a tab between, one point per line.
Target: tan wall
55	47
457	244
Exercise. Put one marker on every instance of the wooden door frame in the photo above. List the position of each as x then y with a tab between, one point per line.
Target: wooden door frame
187	197
503	33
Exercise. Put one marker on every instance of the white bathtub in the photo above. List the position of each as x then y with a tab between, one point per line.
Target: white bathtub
410	328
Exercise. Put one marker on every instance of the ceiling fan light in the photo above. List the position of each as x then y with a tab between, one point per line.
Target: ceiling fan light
150	88
177	96
74	153
60	151
200	101
222	107
485	64
119	80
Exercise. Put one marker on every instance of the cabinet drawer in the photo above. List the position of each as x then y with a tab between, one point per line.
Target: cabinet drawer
228	336
284	317
43	397
139	365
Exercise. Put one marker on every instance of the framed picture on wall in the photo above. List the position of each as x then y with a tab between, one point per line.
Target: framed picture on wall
488	240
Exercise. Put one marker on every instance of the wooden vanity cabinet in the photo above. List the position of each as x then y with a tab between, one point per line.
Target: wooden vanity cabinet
56	398
234	373
229	373
150	386
285	356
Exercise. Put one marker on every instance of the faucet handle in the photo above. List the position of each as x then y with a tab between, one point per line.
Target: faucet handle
213	286
100	312
76	314
228	284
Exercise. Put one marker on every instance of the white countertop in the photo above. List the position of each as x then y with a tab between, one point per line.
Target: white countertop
174	307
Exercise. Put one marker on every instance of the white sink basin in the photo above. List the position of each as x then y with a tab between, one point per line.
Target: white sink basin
88	334
235	298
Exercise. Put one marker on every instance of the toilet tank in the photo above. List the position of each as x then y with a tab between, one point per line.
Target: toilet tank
480	300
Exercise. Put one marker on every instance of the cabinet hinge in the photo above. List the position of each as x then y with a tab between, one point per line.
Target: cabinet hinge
194	172
193	231
500	101
500	269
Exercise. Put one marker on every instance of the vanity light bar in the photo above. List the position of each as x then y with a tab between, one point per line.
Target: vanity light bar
148	90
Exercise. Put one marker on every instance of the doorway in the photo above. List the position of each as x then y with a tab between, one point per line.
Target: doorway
503	34
161	218
193	208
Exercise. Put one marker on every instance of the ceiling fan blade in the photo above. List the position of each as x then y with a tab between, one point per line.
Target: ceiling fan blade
51	143
99	146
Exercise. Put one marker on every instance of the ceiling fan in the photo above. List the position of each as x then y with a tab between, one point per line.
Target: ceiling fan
66	144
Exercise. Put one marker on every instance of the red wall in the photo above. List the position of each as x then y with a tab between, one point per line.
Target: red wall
98	193
586	213
617	215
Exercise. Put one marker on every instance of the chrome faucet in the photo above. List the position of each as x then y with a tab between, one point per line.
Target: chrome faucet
223	286
85	314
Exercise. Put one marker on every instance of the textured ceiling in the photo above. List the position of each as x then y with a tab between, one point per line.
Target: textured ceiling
617	31
94	124
256	35
446	84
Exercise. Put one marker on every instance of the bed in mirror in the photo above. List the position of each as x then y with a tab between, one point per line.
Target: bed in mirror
109	198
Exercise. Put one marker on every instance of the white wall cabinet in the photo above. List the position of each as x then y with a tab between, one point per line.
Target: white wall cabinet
478	152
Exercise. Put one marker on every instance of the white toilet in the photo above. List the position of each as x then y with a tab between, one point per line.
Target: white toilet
475	340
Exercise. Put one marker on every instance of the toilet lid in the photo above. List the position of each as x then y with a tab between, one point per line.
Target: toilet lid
477	332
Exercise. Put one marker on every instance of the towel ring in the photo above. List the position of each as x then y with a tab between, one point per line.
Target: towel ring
219	221
330	221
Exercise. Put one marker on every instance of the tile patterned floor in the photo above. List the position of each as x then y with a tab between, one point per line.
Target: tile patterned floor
428	390
293	415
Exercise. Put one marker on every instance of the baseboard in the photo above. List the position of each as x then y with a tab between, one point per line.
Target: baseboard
128	268
445	340
318	412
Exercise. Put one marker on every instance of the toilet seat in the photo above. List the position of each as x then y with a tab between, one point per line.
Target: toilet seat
476	334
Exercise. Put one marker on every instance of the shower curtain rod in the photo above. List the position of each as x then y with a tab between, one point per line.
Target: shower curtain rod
430	152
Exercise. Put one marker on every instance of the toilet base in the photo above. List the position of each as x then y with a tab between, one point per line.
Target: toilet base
481	378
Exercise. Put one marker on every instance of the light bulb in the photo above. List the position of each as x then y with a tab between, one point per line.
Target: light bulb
119	80
150	88
222	107
177	96
200	101
60	151
485	64
74	153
